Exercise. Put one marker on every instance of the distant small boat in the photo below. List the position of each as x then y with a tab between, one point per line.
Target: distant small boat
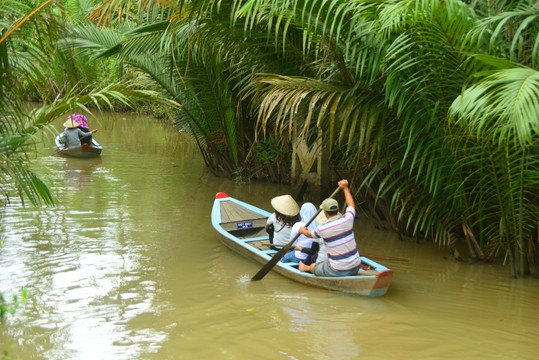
242	229
84	151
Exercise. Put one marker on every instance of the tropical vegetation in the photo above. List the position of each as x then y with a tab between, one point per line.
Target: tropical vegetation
35	65
42	68
432	106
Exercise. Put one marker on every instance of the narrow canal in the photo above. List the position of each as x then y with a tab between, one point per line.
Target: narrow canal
128	266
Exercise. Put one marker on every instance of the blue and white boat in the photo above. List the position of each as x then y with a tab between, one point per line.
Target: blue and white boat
242	229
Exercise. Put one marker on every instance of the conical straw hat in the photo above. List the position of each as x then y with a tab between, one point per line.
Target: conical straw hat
70	124
286	205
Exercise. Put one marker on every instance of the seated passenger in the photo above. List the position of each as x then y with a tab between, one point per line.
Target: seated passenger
83	125
305	249
285	216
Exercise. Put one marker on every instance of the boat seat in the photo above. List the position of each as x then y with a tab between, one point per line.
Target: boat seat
237	217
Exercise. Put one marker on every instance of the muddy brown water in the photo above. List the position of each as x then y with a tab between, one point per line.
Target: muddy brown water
128	266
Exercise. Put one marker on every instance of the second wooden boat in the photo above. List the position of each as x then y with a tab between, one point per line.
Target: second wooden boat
84	151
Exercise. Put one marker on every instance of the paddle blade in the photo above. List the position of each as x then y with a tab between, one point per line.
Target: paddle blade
270	264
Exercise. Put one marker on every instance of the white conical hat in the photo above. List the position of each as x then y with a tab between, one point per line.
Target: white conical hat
70	124
286	205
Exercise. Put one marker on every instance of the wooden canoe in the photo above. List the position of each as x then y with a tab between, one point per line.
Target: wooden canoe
242	229
84	151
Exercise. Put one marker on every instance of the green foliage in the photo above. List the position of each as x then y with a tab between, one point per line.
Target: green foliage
268	152
39	62
10	308
498	146
200	77
392	71
437	122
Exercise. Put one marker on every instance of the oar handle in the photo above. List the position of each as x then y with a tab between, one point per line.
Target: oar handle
278	256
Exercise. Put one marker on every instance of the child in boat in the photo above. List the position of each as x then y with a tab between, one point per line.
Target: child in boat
285	216
73	135
305	249
338	236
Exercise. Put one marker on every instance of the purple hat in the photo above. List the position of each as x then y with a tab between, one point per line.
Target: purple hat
79	119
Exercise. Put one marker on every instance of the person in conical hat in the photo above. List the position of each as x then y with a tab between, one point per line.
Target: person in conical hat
281	221
73	134
83	125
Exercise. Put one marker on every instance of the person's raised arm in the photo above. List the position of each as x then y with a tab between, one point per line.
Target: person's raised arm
343	184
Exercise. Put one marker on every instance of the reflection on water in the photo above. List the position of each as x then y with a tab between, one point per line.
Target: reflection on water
127	266
76	173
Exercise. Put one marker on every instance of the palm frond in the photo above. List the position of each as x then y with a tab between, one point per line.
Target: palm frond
513	33
505	103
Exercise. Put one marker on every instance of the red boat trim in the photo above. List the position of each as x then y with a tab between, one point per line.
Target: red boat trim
384	279
221	195
385	273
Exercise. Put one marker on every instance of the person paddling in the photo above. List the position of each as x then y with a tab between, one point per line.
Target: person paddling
338	236
83	125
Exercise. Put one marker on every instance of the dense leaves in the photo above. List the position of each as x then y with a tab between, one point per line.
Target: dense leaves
432	105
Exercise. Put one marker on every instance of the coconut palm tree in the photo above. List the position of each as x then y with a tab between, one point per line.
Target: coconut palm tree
496	127
13	139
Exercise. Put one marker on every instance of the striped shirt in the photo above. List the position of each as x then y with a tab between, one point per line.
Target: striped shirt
341	246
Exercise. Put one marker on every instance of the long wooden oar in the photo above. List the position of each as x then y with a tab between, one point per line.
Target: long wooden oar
275	259
383	257
56	152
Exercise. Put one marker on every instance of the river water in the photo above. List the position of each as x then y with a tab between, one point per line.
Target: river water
128	266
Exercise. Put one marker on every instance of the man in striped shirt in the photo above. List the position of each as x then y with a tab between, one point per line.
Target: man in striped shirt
338	235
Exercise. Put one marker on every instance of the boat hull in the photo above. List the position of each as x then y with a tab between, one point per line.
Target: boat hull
84	151
372	280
